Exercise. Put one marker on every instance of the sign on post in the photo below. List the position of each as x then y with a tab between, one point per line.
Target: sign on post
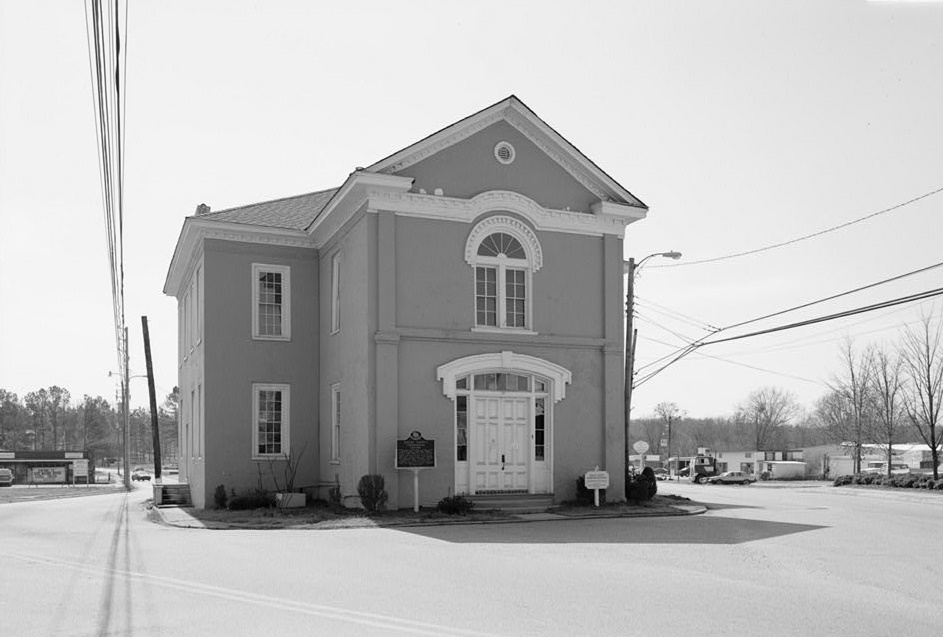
596	480
415	453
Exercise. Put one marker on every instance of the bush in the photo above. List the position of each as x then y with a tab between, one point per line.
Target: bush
939	485
253	500
220	497
842	481
455	505
648	474
584	496
638	491
372	492
766	475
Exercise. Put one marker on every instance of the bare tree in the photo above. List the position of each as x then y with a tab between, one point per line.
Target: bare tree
669	414
922	354
37	406
766	411
854	385
57	405
886	400
9	415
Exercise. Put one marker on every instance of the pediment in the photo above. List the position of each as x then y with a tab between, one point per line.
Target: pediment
460	161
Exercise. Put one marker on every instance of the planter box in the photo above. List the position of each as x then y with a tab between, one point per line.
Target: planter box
291	500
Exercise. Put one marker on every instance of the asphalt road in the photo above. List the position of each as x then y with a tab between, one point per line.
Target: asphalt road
765	560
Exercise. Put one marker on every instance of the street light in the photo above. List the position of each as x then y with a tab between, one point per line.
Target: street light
631	269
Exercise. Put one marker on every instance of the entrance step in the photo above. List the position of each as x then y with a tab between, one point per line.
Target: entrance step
513	502
176	495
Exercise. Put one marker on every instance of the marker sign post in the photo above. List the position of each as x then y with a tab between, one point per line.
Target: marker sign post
596	480
415	453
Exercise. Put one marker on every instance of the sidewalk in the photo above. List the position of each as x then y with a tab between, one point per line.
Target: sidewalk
186	518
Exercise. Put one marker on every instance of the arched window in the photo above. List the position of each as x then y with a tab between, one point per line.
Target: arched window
504	253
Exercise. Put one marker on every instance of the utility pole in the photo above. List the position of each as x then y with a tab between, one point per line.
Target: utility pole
629	364
155	431
127	412
631	269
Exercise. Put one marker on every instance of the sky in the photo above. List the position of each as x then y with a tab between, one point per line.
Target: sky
740	124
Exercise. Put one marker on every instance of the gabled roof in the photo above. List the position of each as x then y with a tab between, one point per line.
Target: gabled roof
515	112
293	213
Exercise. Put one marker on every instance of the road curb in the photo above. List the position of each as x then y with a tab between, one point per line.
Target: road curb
178	518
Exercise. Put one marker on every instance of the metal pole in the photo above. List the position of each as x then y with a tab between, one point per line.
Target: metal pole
629	366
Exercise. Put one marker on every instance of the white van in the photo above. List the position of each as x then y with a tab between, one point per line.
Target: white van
877	466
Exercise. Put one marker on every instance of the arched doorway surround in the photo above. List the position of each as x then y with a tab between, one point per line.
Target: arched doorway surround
503	421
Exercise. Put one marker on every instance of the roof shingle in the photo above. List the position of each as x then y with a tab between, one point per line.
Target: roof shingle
293	213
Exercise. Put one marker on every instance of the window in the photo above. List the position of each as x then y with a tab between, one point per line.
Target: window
335	292
335	422
270	407
199	304
271	302
540	429
504	253
461	428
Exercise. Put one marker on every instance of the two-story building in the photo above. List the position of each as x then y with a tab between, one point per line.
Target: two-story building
469	286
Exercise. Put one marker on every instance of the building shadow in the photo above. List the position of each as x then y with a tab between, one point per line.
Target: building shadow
674	530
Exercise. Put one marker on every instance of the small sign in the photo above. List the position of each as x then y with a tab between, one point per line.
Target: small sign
7	455
640	447
80	468
664	442
415	452
72	454
596	479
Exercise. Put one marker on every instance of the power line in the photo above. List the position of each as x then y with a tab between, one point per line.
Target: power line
688	349
803	237
738	363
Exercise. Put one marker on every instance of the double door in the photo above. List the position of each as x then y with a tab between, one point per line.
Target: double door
500	443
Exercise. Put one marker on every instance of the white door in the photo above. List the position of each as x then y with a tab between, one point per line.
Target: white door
500	450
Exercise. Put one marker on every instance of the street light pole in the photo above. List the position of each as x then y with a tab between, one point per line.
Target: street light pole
631	269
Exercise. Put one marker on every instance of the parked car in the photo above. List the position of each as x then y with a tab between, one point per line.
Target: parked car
897	468
732	477
140	473
661	474
6	478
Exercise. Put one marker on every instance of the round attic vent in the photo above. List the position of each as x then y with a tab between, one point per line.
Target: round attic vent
504	152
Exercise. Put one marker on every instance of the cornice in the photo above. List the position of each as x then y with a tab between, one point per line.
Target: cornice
467	210
196	231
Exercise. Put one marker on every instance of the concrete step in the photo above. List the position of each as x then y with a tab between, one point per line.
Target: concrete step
513	502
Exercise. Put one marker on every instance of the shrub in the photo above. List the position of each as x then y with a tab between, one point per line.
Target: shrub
766	475
455	505
649	474
220	497
253	500
939	485
638	491
841	481
584	496
372	492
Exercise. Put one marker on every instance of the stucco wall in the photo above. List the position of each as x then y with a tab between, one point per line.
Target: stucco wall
469	168
234	361
345	357
435	286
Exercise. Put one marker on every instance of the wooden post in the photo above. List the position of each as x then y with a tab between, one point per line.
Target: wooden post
153	396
